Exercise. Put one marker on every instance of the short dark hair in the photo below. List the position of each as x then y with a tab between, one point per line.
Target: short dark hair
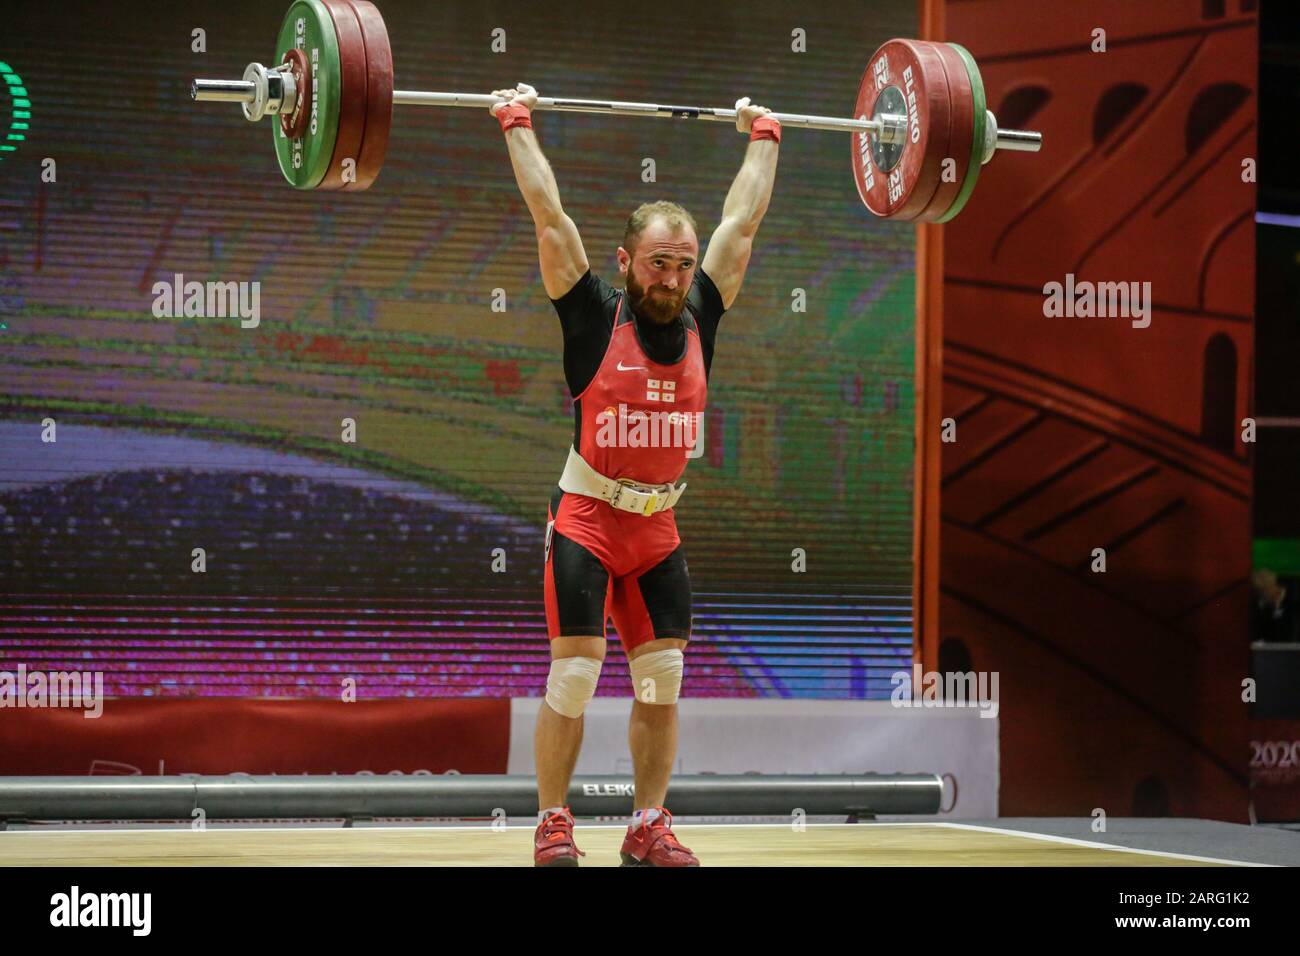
673	215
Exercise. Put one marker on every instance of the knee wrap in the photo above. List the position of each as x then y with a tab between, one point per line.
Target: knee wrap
571	684
657	676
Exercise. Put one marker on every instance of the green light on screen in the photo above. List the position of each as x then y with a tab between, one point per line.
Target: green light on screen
18	107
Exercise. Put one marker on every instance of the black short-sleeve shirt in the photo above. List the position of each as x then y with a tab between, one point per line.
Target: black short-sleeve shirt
587	318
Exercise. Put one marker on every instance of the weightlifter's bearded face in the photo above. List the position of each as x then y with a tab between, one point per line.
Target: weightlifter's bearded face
660	271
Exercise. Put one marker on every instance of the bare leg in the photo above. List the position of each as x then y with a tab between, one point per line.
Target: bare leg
652	738
558	738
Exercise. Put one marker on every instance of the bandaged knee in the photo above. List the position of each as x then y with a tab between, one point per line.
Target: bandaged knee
571	684
657	676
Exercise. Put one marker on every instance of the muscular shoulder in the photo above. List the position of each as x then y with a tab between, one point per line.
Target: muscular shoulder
707	297
587	317
707	303
590	303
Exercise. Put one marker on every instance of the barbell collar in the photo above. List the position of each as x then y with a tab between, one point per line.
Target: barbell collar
223	91
1020	140
1016	140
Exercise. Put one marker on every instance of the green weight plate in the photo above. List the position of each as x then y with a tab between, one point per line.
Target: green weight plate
305	160
981	121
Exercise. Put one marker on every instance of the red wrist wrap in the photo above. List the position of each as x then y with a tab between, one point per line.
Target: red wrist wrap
764	127
515	114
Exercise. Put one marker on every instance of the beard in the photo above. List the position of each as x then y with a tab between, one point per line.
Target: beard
658	305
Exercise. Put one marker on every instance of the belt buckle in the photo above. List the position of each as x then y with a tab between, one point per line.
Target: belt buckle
627	484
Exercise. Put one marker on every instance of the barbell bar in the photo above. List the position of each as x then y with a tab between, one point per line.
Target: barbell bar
890	126
921	134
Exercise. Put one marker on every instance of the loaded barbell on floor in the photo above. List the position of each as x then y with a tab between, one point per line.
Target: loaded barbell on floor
922	129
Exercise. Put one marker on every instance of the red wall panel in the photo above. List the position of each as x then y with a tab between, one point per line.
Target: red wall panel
229	735
1120	690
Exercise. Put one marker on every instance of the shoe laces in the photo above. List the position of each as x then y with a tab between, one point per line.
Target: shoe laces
562	813
667	837
654	824
563	821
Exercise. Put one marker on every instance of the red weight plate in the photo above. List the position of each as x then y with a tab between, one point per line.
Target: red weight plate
910	73
379	111
961	138
352	100
294	123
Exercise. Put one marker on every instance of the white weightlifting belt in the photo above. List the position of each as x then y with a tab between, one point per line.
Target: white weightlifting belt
621	493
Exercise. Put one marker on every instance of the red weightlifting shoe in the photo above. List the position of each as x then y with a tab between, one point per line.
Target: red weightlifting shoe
553	841
655	844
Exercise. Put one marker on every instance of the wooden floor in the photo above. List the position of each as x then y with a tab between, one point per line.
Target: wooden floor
864	844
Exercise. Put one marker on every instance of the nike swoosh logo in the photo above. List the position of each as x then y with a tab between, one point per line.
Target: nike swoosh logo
631	368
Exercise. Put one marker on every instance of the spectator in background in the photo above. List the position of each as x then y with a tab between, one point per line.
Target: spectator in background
1275	616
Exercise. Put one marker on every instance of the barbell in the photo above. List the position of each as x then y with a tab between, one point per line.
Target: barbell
921	133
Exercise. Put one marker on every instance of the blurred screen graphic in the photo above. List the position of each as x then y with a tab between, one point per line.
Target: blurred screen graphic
409	559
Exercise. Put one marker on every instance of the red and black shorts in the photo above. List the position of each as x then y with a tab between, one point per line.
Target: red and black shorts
602	563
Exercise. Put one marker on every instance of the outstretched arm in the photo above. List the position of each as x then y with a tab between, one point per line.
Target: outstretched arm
727	257
559	247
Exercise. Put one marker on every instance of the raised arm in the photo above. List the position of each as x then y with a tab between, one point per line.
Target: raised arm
559	247
727	256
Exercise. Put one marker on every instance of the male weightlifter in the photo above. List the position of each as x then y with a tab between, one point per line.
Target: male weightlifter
612	548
